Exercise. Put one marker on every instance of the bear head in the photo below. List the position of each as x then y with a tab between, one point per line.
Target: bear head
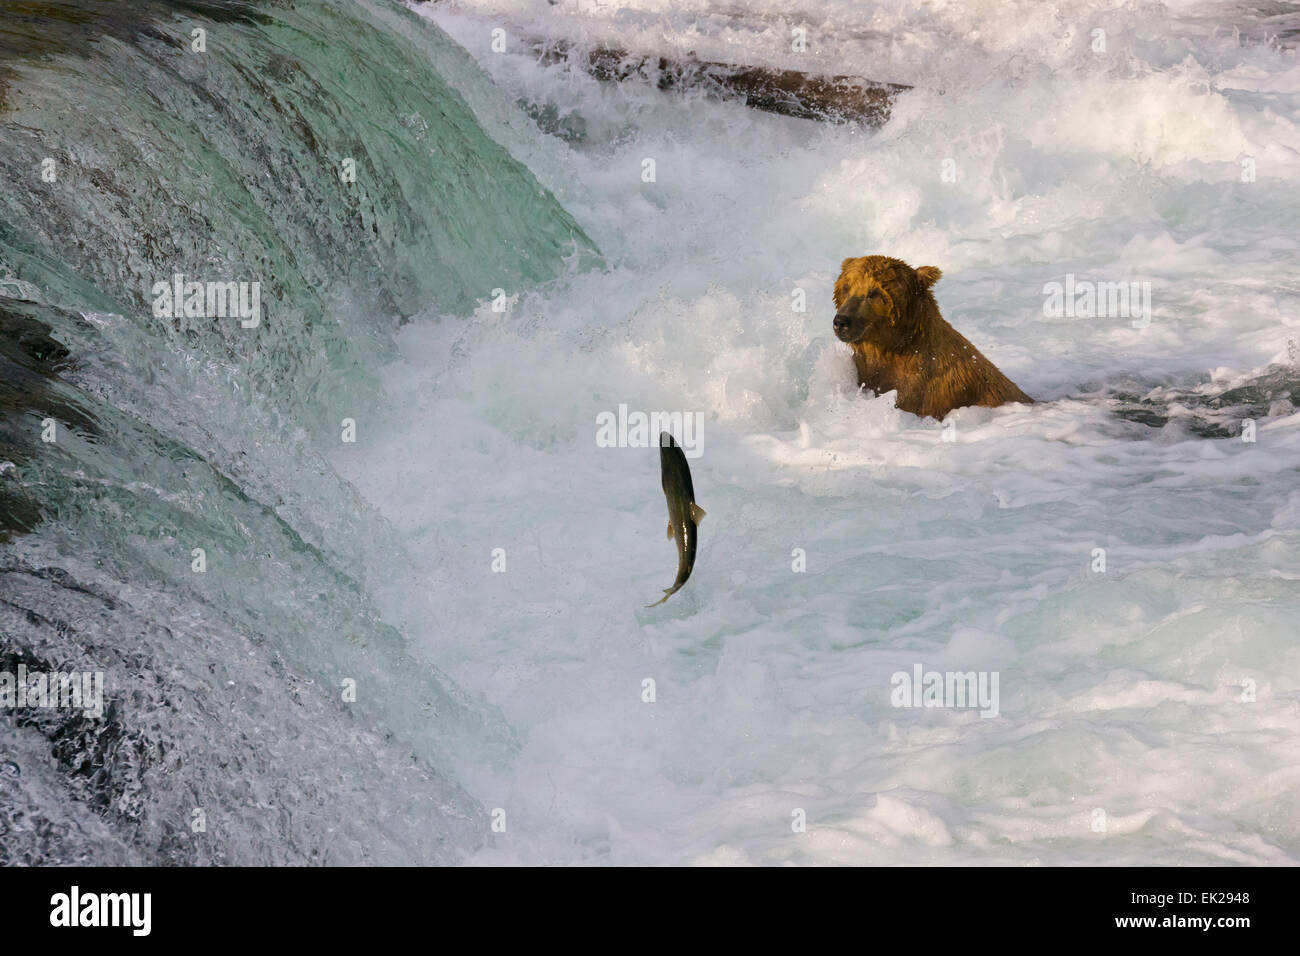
880	300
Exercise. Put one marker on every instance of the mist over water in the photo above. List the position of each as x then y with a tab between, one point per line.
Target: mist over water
1147	712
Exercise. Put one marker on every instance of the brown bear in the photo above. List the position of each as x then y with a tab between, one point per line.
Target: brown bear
885	311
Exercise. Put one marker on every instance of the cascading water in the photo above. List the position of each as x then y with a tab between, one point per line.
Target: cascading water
1121	554
168	518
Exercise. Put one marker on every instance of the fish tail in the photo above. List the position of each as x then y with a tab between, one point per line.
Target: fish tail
668	592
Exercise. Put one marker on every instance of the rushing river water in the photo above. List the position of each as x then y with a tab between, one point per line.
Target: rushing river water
421	609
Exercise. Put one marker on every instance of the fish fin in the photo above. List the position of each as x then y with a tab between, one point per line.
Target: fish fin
668	593
670	531
697	513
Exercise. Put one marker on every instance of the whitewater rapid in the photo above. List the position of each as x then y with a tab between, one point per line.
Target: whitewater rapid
418	632
1148	712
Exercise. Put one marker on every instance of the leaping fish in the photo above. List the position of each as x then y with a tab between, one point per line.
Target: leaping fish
683	513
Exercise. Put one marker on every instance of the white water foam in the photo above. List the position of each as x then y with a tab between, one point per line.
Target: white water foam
1162	692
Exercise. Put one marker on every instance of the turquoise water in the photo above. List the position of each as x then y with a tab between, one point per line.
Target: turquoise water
198	432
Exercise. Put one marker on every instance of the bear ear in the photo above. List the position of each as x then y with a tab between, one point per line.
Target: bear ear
928	275
841	290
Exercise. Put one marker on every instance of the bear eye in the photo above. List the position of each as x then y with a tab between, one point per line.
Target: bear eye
874	294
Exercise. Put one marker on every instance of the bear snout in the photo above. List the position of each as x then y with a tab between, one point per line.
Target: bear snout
844	327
